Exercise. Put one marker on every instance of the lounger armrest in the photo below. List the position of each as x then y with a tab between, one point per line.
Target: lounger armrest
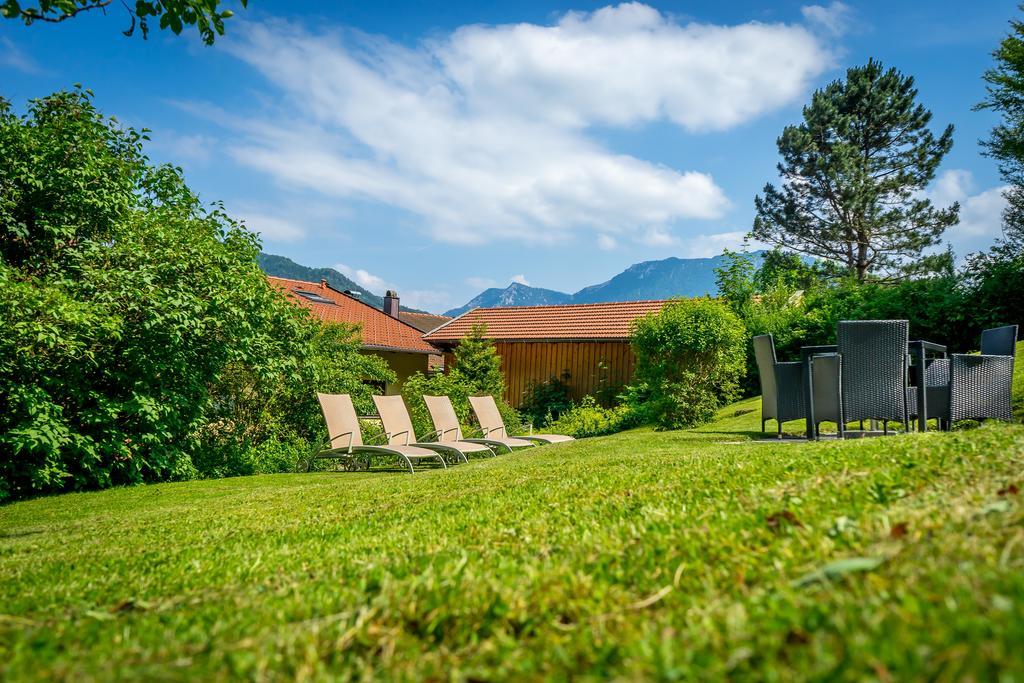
487	432
439	433
391	435
369	439
331	446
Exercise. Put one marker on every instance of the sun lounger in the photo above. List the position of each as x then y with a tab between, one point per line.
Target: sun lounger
399	431
447	427
491	423
346	439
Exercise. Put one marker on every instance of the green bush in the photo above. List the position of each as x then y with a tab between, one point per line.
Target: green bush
690	357
589	418
141	341
545	401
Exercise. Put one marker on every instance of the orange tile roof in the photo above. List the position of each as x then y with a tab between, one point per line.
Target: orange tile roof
379	330
424	322
607	321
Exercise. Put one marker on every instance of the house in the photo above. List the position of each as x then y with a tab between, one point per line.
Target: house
585	345
384	333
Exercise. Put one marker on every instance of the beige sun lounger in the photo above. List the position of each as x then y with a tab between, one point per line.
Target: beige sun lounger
447	427
489	417
346	439
399	431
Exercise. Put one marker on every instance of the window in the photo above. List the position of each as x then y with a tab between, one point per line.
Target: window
313	296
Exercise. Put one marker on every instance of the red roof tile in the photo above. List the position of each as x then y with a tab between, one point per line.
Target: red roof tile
609	321
379	330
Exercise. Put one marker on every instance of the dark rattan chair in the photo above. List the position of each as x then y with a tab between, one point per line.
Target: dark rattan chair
873	357
975	387
782	396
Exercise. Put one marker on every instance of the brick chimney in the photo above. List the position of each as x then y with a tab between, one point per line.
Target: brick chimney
323	283
391	303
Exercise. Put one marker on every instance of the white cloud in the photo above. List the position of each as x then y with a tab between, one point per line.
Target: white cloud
270	227
484	133
834	19
658	237
606	243
980	212
426	299
521	279
363	278
706	246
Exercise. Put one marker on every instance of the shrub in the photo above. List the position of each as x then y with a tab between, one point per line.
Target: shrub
690	356
589	418
140	337
545	401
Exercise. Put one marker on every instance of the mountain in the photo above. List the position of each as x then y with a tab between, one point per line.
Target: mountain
664	279
513	295
280	266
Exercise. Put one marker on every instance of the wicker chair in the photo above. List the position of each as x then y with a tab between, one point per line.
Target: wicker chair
874	361
975	387
782	395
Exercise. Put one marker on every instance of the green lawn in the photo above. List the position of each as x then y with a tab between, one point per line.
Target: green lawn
680	554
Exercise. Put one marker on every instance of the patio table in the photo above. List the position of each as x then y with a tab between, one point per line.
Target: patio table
917	350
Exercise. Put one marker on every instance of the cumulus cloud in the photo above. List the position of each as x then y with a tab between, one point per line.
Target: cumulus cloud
833	19
520	279
980	211
485	133
606	243
362	278
706	246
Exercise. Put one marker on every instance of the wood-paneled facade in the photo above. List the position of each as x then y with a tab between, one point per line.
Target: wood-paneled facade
588	367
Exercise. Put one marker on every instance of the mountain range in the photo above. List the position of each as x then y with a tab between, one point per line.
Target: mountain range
662	279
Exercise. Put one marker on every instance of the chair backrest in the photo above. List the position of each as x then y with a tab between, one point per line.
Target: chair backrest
874	369
442	414
999	341
764	353
395	418
340	416
487	415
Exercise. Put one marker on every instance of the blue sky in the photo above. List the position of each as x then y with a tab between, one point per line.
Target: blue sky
439	148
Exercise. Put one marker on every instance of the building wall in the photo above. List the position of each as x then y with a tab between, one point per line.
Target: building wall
403	365
591	366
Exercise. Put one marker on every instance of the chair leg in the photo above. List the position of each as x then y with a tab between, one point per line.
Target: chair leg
862	425
885	427
780	428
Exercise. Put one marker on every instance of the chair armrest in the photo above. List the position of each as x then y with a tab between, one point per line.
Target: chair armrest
391	435
330	442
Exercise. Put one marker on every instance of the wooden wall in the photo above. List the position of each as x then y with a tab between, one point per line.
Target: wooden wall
526	362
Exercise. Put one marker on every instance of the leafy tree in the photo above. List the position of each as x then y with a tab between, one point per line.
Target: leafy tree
205	15
1005	94
852	174
690	359
130	312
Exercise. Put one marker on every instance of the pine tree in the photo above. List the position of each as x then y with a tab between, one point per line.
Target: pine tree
478	363
853	172
1005	88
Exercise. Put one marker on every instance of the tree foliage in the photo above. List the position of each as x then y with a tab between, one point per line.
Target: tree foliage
690	360
1005	94
852	175
175	15
139	333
